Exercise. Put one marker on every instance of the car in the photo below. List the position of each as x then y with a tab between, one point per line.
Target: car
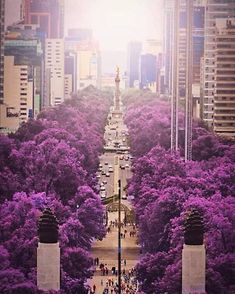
100	165
104	182
122	166
124	197
111	169
102	188
123	140
119	151
103	194
126	152
107	174
127	165
103	173
126	158
121	157
106	163
98	176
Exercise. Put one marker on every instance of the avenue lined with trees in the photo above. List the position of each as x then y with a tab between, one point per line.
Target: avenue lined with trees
52	162
166	188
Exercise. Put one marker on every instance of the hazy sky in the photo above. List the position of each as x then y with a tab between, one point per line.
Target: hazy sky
114	22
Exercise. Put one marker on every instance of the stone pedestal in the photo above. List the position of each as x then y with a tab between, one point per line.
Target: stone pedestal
193	269
48	266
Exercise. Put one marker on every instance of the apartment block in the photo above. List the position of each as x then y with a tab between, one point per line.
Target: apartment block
2	18
18	103
217	67
54	68
224	94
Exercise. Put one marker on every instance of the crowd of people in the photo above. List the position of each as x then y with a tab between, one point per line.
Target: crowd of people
109	275
110	284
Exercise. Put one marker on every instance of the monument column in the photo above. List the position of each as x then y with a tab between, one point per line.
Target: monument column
48	253
193	255
117	92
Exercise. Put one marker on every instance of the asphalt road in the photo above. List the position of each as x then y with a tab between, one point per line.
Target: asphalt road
107	160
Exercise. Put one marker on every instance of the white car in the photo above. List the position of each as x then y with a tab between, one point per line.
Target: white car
102	188
102	194
124	197
107	174
127	165
111	169
98	176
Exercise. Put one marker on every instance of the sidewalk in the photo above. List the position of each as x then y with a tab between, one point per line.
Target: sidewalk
107	252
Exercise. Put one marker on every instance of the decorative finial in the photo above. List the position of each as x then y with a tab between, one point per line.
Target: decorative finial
194	229
48	227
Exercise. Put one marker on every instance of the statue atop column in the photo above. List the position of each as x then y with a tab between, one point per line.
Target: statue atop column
117	91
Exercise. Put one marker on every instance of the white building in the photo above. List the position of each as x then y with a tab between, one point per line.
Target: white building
224	95
215	10
18	96
54	65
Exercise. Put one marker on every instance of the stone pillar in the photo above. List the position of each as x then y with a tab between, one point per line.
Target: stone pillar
193	269
48	253
193	255
48	266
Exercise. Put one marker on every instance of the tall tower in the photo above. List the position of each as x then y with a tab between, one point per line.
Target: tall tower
218	66
117	92
189	80
2	20
168	43
133	62
48	14
175	79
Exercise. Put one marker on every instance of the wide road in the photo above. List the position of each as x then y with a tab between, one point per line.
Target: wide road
114	165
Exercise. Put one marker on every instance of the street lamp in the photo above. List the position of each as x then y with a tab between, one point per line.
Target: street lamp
119	237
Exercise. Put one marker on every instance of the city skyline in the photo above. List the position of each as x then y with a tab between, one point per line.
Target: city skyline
114	23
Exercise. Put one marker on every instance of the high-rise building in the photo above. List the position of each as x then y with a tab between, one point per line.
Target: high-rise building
168	44
70	74
2	19
218	66
198	45
148	71
23	68
24	42
152	46
133	63
18	102
48	14
88	58
54	67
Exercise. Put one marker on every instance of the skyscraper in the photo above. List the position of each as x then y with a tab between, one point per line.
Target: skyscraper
168	43
218	66
169	46
2	18
48	14
54	66
133	62
148	71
